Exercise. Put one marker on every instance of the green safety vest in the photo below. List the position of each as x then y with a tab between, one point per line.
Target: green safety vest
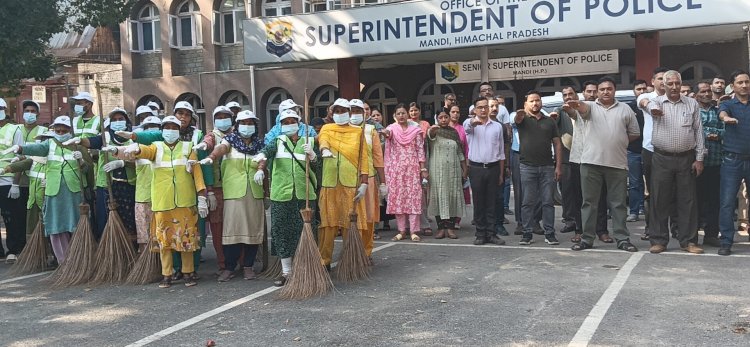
288	177
218	136
172	186
101	175
37	171
237	171
89	128
368	140
61	164
7	134
338	170
143	176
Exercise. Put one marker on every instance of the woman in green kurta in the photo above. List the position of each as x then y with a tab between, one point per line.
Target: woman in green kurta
447	167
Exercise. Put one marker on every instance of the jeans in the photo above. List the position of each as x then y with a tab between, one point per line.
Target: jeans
538	184
733	171
515	174
635	182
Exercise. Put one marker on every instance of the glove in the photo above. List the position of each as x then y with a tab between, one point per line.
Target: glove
202	207
259	176
132	149
259	158
73	141
326	153
360	192
206	161
2	171
12	149
109	149
112	165
383	190
200	147
124	134
14	159
15	192
189	166
309	151
212	203
77	155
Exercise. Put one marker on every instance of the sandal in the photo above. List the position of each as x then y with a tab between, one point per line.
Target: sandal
576	238
627	246
376	236
191	279
166	282
581	246
427	232
605	238
400	236
415	238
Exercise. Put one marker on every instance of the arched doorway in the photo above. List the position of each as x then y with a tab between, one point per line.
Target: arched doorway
149	98
273	98
381	96
236	96
321	99
698	71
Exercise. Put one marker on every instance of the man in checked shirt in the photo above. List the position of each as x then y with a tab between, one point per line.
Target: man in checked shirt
678	160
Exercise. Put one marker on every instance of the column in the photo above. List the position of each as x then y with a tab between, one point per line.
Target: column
647	56
348	75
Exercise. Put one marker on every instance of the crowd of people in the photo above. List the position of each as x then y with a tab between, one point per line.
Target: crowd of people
676	156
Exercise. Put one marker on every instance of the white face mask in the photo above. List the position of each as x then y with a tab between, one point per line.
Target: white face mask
170	135
29	117
357	118
341	119
289	129
246	130
2	114
78	109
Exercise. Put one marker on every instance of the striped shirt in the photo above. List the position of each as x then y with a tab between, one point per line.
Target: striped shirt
680	129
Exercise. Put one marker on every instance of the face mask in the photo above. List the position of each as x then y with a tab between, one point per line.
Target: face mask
78	109
64	137
2	114
290	129
29	117
223	124
341	119
246	130
118	125
170	135
357	119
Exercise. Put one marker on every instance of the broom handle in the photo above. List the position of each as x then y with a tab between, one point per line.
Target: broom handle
104	140
307	160
359	161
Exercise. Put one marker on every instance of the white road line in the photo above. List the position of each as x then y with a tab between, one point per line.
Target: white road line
592	321
14	279
203	316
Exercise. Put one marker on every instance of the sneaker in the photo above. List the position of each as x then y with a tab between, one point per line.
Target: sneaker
632	218
500	230
725	251
11	259
551	240
525	241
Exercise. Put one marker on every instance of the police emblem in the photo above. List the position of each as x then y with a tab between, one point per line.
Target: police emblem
279	37
449	72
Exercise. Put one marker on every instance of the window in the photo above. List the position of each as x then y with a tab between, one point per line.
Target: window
200	111
697	71
382	97
236	96
145	30
275	98
185	27
501	88
272	8
367	2
430	98
323	98
228	22
321	5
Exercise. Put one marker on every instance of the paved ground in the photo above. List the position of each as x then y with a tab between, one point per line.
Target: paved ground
439	292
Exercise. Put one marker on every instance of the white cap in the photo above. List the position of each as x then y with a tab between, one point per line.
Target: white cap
2	103
342	102
83	96
184	105
106	123
32	102
356	103
471	109
233	104
246	114
287	104
152	104
222	109
63	120
118	110
288	114
171	119
143	109
154	120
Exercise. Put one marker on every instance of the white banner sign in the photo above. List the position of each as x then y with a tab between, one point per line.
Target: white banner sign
425	25
541	66
39	94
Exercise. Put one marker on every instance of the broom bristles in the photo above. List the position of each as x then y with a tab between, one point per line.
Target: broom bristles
33	258
309	277
147	268
115	255
273	270
353	262
80	263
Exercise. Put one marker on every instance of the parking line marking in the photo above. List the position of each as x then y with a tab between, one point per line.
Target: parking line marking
14	279
595	317
228	306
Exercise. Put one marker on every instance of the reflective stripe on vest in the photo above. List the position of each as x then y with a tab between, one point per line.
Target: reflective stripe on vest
160	163
172	187
288	177
7	134
80	128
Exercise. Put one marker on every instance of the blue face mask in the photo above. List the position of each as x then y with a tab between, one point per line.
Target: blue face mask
170	135
29	117
341	119
357	118
223	124
78	109
118	125
246	130
289	129
63	137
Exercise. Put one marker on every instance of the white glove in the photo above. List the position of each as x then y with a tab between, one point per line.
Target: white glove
206	161
43	182
360	192
189	166
309	151
200	147
109	149
12	149
124	134
77	155
14	159
326	153
202	206
73	141
15	191
212	203
383	190
2	171
132	149
259	176
259	157
112	165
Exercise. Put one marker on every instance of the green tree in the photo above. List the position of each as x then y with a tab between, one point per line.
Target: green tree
100	13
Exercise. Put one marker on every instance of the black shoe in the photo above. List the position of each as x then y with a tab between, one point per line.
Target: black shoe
725	251
509	212
551	240
479	241
495	240
280	281
568	228
538	229
525	241
519	230
500	230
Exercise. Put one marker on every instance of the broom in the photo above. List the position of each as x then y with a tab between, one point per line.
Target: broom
80	263
147	268
33	258
353	263
308	277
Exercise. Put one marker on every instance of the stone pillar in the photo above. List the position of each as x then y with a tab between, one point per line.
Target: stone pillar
647	56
